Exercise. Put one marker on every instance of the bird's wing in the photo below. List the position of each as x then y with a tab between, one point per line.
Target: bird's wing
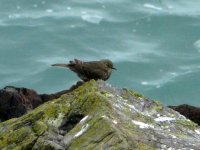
93	70
75	65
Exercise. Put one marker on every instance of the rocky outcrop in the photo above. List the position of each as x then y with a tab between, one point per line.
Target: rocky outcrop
191	112
15	102
99	116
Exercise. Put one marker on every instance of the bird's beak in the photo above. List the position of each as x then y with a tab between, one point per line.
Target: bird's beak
114	68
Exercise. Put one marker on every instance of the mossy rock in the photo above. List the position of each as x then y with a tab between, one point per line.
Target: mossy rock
99	116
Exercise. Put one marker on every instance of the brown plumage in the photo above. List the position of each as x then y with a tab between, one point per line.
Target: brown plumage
90	70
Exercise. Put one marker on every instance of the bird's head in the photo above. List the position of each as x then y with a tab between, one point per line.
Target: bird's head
109	64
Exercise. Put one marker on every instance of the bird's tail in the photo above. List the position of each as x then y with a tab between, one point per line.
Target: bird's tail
71	64
61	65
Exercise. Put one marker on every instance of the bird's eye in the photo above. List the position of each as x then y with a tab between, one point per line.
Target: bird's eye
109	65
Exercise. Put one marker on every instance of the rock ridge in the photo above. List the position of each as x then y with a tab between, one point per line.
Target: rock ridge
98	116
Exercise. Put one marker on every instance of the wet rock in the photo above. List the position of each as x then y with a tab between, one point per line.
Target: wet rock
191	112
15	102
99	116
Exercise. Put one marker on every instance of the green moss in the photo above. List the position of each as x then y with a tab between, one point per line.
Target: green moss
81	141
91	100
39	127
138	95
26	120
128	93
27	131
18	135
54	108
157	102
142	146
10	121
180	135
187	123
145	119
157	105
21	138
158	108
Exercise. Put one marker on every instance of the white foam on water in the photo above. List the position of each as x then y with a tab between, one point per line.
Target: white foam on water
95	16
180	8
69	8
190	68
103	6
133	49
18	7
197	45
173	73
152	7
14	16
43	2
144	83
72	26
96	19
184	8
49	10
35	5
168	77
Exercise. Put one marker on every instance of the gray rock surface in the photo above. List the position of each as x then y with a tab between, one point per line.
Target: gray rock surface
99	116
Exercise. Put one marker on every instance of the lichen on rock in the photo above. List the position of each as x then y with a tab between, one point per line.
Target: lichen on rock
99	116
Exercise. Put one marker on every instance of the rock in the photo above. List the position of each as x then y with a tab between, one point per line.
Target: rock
191	112
15	102
99	116
48	97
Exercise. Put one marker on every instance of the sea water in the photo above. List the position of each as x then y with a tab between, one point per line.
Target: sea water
154	44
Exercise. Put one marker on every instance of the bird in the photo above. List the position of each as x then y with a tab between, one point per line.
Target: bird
86	71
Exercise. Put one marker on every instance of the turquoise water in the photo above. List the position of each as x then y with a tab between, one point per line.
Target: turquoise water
154	44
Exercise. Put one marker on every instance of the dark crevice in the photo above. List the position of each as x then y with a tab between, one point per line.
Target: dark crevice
31	145
70	123
104	136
